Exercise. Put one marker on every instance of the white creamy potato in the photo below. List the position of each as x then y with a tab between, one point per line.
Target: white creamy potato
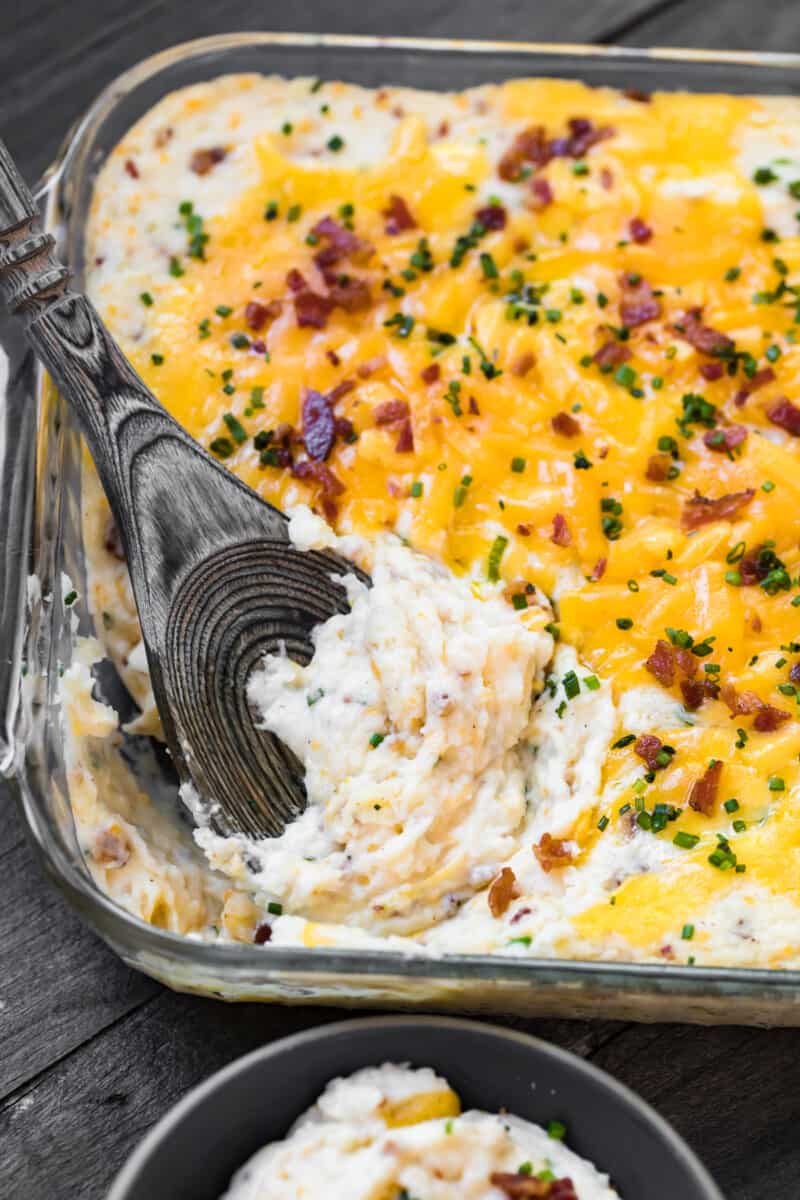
392	1131
411	721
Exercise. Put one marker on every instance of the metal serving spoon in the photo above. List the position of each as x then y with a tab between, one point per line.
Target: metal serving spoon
216	580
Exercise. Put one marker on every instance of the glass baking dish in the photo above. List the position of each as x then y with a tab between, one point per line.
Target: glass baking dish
40	535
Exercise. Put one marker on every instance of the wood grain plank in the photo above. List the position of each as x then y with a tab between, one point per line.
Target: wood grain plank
733	1093
89	1111
720	25
65	56
59	984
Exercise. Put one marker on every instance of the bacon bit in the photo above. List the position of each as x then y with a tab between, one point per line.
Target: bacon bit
443	129
344	428
405	442
529	146
502	892
112	540
528	1187
760	379
686	661
794	674
256	314
598	570
703	792
295	281
639	230
768	719
390	412
110	849
637	302
785	415
162	136
661	663
520	366
565	424
524	530
541	193
397	216
312	310
366	369
658	467
637	94
263	933
725	440
318	425
340	243
203	161
320	474
520	244
561	535
492	217
704	339
695	691
648	747
131	168
667	952
702	510
473	407
348	292
552	852
755	623
712	371
611	354
431	373
583	134
342	388
606	178
519	914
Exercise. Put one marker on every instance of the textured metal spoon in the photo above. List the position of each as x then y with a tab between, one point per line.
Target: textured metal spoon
216	580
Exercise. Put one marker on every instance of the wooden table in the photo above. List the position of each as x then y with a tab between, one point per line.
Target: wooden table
92	1053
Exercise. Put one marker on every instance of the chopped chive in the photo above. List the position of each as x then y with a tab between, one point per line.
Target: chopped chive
376	740
687	933
275	908
686	841
495	554
146	299
624	623
235	428
518	465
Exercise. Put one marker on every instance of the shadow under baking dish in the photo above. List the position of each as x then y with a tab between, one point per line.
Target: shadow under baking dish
192	1153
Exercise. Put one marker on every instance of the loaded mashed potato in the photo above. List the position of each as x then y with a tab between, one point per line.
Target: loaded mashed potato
391	1132
527	353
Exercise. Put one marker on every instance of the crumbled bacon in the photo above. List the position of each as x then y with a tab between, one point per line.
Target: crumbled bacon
110	849
390	412
112	540
552	852
520	366
695	691
611	354
502	891
532	147
339	243
312	310
521	1186
606	178
344	429
727	439
397	216
405	440
131	168
162	136
583	134
658	467
794	673
329	485
704	339
473	407
492	217
712	370
648	747
637	303
702	510
785	415
524	530
430	373
661	663
295	281
342	388
203	161
565	424
754	566
333	358
561	535
263	933
639	231
760	379
638	95
598	570
541	193
348	292
744	704
318	425
703	792
769	718
257	314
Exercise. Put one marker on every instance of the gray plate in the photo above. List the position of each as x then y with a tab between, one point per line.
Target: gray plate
194	1150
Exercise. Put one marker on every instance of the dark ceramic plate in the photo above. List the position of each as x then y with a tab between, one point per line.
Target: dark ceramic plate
194	1150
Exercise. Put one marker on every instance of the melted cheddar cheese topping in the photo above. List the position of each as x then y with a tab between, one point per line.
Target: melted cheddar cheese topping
496	313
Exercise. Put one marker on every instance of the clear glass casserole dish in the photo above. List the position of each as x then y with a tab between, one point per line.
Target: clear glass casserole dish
41	535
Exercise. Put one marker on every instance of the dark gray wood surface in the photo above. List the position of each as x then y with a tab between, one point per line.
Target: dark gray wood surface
92	1053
